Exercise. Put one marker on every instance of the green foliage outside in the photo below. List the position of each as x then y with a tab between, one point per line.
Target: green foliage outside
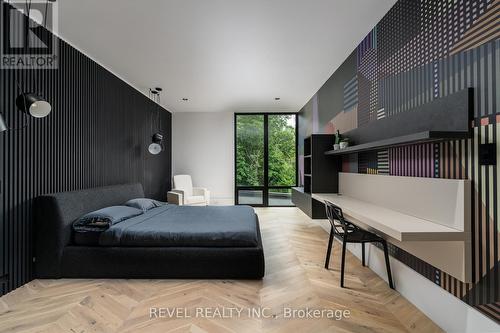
250	150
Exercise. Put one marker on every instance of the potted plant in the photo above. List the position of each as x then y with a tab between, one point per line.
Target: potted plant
344	143
336	142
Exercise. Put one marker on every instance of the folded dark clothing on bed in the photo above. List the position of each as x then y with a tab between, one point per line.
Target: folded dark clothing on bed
103	219
89	227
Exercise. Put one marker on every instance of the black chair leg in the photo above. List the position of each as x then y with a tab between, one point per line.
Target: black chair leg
328	252
388	266
342	265
363	253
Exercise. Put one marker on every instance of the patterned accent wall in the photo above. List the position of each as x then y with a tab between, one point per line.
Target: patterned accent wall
420	51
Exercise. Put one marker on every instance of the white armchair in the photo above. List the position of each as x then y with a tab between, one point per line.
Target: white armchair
184	193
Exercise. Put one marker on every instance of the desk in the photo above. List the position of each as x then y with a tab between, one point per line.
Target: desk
399	226
428	218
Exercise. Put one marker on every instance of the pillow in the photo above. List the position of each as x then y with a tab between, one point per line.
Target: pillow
104	218
144	204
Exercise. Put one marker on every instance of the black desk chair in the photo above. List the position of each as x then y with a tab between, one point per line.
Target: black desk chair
349	233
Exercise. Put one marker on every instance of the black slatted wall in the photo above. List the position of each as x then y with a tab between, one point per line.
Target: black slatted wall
97	134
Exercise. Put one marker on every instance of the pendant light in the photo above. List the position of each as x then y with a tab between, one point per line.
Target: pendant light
156	145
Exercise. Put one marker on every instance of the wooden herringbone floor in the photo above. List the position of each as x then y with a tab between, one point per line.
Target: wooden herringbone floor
295	278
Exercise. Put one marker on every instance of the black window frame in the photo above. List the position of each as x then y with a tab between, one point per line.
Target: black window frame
266	187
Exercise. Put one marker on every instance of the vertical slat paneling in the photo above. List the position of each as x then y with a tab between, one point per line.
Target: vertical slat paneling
97	134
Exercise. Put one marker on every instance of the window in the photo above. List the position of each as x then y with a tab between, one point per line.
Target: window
265	158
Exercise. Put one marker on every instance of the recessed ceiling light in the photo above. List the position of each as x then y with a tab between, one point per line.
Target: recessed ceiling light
277	98
185	99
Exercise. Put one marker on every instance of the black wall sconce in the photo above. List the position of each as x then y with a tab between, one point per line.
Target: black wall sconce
33	105
156	146
29	103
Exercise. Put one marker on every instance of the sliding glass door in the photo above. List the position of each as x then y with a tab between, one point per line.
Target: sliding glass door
265	158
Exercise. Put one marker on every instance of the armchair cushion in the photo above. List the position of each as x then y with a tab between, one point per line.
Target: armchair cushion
194	199
199	191
184	183
203	192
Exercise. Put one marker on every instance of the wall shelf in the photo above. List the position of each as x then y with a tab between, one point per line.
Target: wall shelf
421	137
445	118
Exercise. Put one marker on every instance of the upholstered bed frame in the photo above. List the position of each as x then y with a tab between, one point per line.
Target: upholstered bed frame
56	256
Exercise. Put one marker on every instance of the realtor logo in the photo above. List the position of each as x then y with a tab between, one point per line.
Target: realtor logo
28	35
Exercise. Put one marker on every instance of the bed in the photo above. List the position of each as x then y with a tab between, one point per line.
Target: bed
166	242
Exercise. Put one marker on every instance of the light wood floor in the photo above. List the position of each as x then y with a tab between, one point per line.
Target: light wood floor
295	278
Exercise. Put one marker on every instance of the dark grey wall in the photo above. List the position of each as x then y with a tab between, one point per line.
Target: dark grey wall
331	94
97	134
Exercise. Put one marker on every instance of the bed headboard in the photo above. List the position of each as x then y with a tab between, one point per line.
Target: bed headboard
55	213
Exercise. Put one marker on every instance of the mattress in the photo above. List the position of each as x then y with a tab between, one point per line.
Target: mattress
184	226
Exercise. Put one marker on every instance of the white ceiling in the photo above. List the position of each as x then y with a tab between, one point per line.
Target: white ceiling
224	55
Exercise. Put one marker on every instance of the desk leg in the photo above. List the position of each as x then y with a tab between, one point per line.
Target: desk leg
389	275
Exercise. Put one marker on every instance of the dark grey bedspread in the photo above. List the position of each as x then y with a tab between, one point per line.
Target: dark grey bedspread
191	226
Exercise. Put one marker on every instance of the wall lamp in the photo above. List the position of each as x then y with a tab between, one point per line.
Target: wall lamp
30	104
156	147
33	105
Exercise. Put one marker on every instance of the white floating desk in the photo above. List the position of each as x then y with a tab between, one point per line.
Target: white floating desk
400	226
427	217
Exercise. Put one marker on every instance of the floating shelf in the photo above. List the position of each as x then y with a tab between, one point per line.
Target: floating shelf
422	137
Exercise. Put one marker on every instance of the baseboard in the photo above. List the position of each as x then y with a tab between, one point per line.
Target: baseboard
447	311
